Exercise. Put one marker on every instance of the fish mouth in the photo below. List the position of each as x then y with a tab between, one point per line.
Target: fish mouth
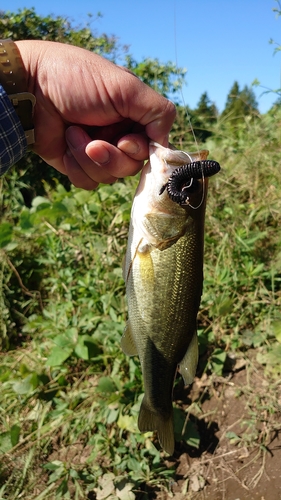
184	180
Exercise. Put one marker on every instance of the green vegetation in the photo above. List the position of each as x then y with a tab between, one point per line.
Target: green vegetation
69	397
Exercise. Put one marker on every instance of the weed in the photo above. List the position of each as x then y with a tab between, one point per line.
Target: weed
70	398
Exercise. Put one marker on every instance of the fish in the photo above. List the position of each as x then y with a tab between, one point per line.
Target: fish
163	273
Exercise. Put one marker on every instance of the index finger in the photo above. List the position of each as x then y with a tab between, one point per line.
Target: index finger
144	105
162	119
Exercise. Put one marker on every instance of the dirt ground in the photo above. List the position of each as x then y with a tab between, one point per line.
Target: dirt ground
238	418
240	451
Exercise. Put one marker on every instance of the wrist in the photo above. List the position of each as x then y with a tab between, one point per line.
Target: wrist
25	49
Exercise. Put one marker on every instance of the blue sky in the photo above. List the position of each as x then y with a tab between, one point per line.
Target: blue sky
217	41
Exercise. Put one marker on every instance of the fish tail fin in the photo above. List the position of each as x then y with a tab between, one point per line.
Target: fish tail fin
152	421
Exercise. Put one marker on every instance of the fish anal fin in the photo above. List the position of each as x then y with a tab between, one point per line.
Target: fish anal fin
152	421
189	363
127	341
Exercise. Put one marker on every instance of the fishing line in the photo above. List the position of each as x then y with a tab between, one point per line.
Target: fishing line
187	113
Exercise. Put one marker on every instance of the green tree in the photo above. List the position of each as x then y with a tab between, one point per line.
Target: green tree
196	122
206	108
25	24
166	78
204	116
240	103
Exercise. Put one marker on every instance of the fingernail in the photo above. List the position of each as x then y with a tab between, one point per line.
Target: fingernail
129	147
99	155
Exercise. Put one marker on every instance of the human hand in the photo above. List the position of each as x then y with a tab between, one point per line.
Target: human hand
92	119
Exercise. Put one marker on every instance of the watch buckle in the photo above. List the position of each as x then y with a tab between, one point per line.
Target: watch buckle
24	103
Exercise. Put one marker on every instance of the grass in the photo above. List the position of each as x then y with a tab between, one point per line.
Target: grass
69	397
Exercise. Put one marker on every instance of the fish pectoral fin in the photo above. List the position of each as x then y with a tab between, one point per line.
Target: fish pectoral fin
188	365
152	421
127	341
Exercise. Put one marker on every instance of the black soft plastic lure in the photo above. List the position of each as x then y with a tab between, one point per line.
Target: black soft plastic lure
181	182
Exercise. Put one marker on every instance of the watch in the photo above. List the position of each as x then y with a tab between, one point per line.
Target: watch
13	79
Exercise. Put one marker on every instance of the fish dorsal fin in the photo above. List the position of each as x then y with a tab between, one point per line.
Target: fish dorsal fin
189	363
127	341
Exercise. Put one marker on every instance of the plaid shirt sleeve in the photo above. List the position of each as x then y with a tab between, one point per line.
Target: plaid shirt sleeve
13	144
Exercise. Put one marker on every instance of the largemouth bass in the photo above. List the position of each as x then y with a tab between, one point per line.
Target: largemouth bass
163	272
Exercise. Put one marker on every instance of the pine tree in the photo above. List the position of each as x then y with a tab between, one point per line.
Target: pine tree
204	116
206	108
240	103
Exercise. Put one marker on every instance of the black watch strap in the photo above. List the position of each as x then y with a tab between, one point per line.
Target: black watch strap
13	79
